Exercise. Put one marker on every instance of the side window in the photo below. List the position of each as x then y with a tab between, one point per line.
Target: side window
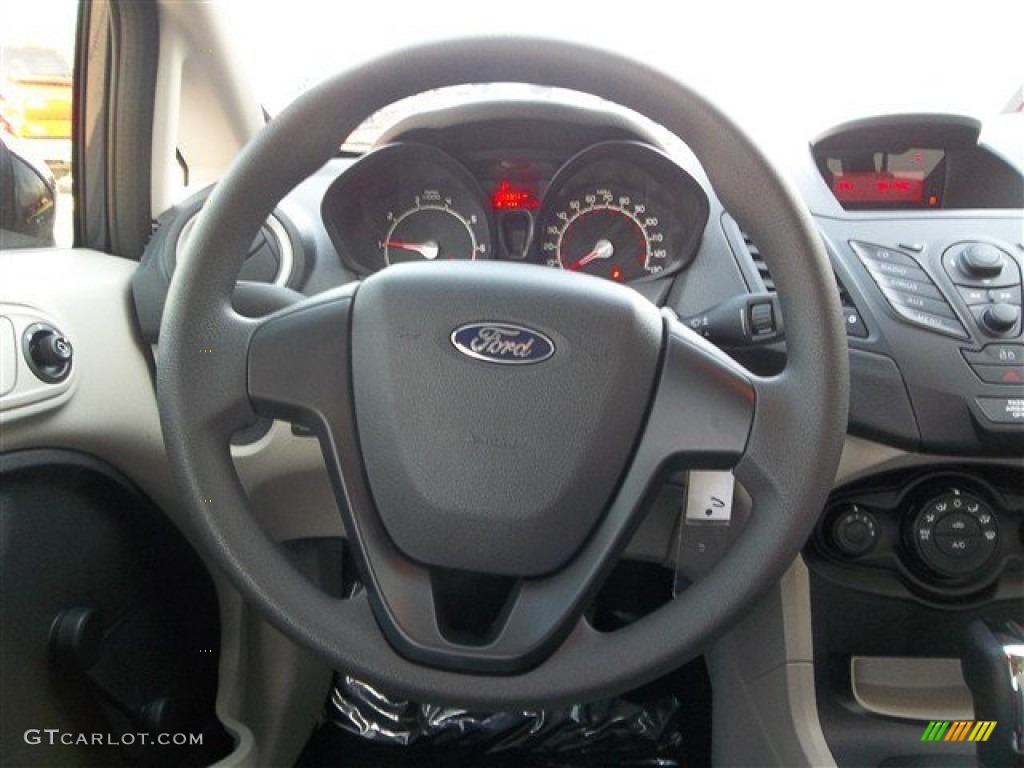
36	51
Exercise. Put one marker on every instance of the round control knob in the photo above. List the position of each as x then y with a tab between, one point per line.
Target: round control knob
1001	317
855	532
48	353
77	638
955	535
981	260
51	350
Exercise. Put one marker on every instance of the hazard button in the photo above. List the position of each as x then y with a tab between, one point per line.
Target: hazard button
1001	374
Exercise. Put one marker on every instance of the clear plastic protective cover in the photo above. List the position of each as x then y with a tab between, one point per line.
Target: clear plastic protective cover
641	733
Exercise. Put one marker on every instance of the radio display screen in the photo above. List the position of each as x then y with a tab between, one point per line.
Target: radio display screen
872	179
878	187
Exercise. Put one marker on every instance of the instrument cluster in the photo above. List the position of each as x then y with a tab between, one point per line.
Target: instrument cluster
620	210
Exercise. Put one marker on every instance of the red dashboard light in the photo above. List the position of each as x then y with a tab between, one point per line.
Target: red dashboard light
509	196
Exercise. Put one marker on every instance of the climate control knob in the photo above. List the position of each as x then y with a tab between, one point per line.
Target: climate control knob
955	535
855	531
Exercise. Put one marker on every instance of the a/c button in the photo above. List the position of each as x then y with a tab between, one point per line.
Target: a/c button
956	546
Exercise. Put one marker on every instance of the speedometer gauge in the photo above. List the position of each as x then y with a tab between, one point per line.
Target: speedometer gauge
605	232
622	211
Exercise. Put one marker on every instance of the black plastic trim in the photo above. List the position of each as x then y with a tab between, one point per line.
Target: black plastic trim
136	47
89	110
893	568
152	280
111	620
897	132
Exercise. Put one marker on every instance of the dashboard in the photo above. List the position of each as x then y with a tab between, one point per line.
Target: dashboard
929	272
923	221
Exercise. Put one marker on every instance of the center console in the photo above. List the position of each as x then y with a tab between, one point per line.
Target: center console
912	562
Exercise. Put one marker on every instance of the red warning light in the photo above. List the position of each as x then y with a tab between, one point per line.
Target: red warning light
509	196
617	274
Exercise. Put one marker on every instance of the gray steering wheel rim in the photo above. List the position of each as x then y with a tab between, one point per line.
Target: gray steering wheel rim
807	413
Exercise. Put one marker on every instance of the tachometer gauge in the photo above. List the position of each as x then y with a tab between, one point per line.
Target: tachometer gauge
605	232
623	211
406	202
432	228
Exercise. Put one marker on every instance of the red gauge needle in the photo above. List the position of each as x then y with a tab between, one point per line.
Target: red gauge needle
427	250
603	249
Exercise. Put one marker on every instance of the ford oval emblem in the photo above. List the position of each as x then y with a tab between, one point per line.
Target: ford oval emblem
504	343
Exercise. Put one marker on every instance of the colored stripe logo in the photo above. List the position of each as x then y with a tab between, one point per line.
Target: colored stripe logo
959	730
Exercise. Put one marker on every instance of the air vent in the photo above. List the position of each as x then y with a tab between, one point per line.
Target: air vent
263	261
759	264
769	281
854	324
844	295
270	258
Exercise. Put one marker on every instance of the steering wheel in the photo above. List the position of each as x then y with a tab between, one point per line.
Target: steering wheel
532	475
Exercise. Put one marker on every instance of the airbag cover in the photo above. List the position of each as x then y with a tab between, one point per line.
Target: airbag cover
484	466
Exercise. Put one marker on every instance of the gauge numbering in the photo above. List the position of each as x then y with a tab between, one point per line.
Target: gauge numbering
432	228
606	234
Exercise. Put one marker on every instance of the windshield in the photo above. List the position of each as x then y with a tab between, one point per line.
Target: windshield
778	68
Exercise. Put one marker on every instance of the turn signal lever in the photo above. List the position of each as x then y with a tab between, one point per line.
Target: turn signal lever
993	667
753	318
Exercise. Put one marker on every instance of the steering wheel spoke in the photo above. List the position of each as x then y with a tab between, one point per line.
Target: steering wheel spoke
297	357
704	407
